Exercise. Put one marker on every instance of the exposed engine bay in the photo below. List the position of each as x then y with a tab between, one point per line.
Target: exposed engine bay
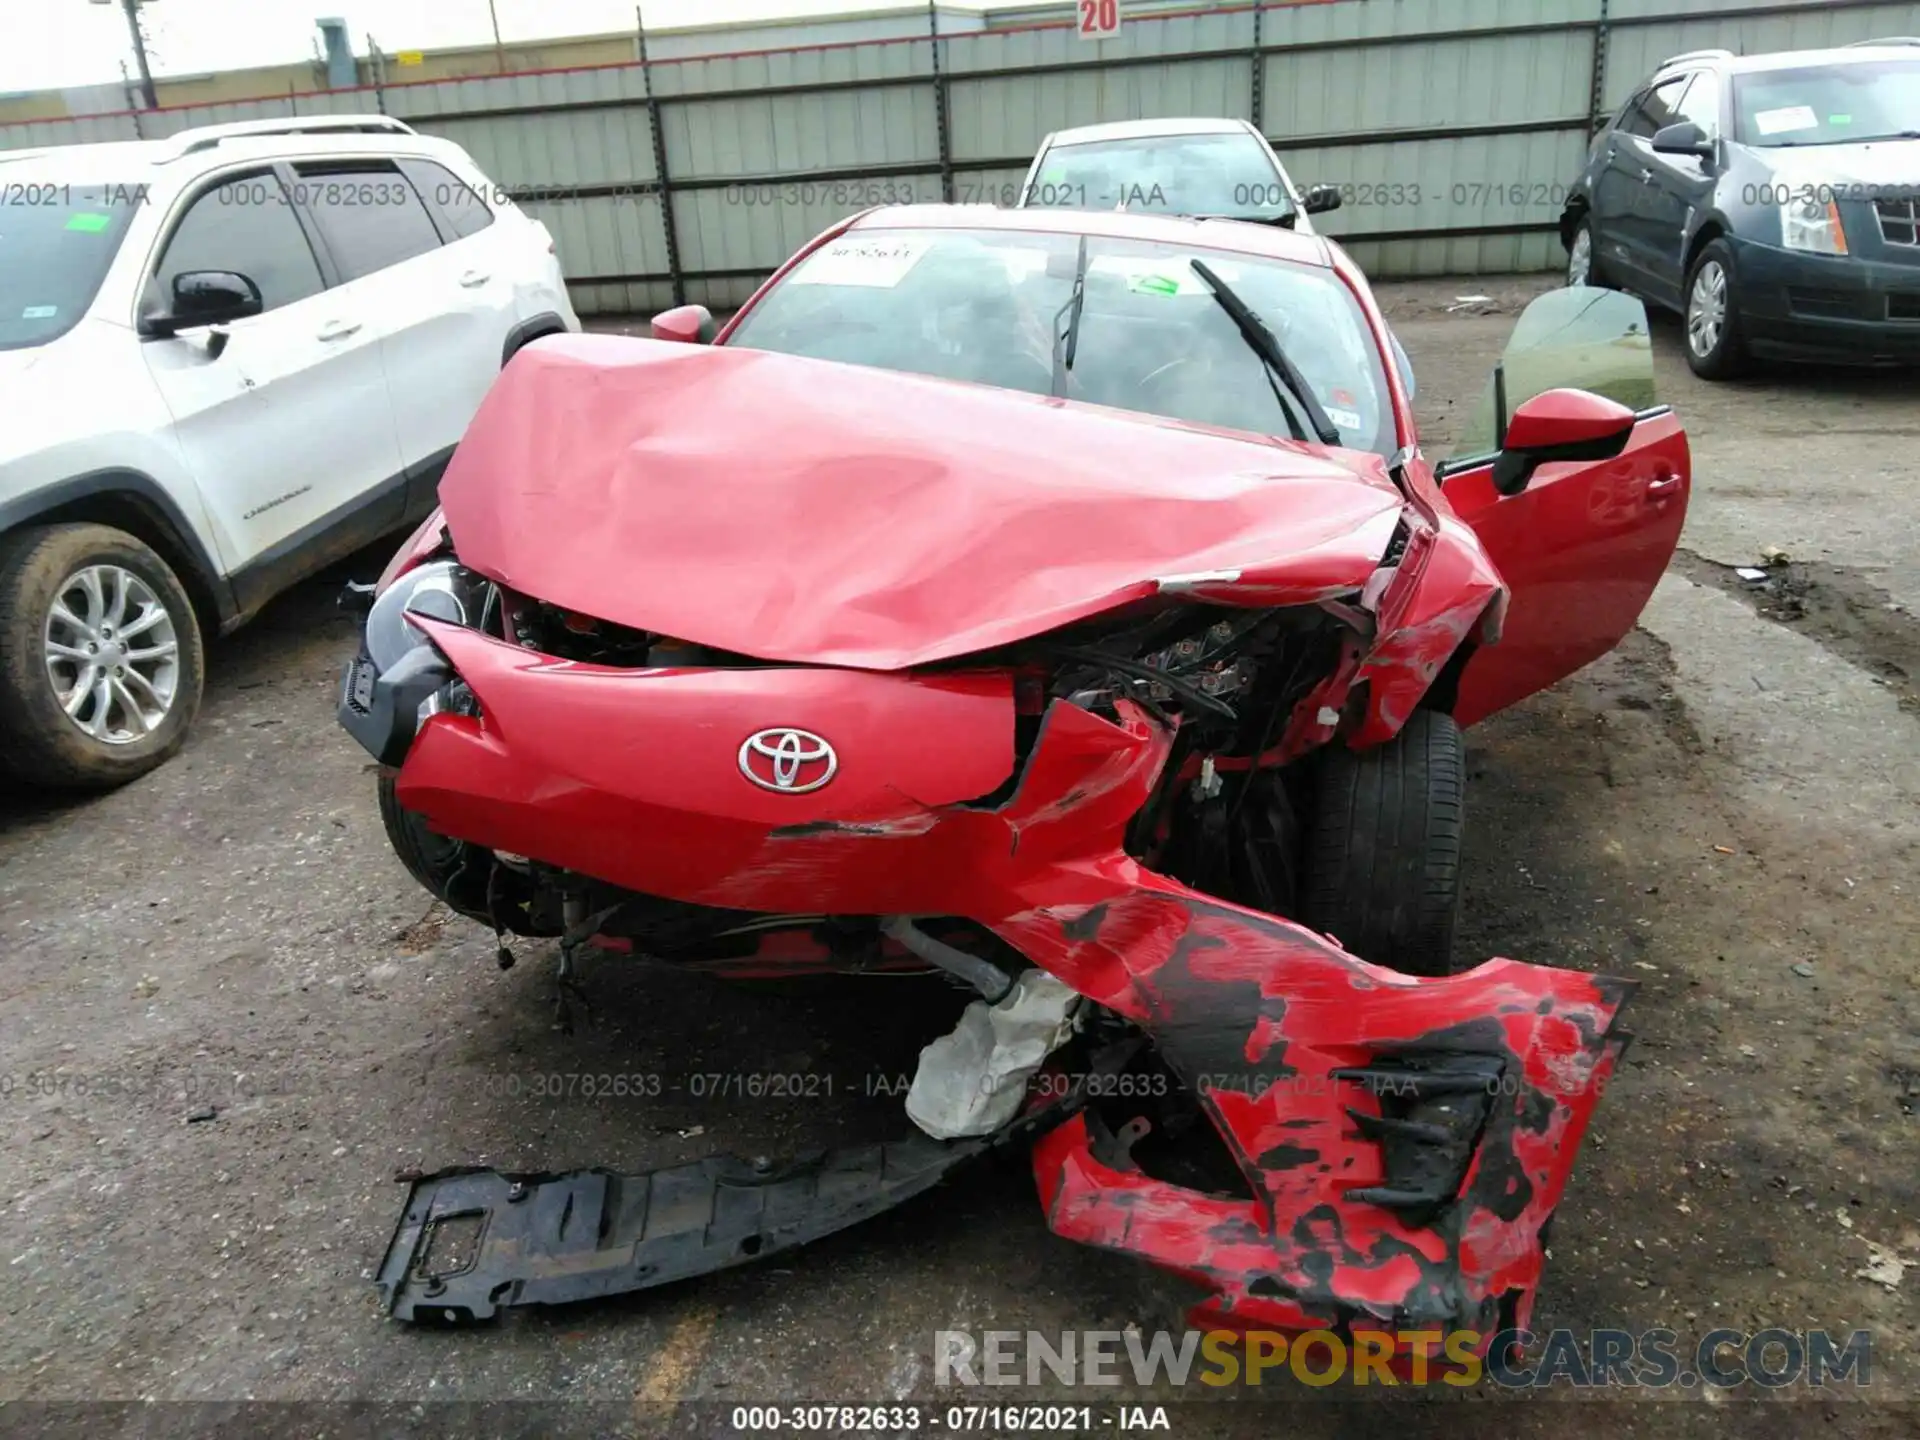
1225	683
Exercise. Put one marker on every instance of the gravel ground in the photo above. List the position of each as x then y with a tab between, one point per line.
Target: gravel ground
1725	808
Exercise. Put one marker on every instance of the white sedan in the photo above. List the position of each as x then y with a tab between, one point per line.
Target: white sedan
1219	169
1211	167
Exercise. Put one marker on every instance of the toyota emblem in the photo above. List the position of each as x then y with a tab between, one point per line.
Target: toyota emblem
790	762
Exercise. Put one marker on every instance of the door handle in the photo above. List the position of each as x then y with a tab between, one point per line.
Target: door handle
340	330
1662	487
475	277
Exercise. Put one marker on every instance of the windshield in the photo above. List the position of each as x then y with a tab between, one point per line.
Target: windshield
56	241
1229	174
985	306
1842	103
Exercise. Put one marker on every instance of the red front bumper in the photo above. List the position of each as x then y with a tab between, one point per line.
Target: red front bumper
634	777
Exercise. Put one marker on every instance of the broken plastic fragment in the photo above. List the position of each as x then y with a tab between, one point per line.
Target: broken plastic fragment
974	1080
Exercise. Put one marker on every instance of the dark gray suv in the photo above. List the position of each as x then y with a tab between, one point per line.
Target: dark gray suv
1774	200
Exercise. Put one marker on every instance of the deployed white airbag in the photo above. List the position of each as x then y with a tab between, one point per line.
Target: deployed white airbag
974	1080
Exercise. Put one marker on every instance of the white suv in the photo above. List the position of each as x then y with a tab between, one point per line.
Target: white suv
227	359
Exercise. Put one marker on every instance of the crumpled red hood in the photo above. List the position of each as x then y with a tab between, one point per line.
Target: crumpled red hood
808	512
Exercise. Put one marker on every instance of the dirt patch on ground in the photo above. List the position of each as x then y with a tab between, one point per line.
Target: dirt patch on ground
1838	610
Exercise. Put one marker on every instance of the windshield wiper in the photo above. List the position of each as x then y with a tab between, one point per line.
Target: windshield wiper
1254	330
1066	344
1285	221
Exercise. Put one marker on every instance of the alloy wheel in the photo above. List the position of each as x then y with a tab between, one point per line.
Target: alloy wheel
1580	258
1707	309
113	654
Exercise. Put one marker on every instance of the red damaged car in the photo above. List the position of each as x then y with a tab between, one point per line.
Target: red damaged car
1061	601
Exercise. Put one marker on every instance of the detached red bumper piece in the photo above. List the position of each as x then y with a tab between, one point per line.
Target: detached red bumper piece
1405	1141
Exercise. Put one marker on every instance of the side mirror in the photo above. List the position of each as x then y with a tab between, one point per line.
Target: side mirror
686	324
205	297
1683	138
1560	425
1320	199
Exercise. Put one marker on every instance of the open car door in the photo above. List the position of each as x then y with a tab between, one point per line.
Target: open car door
1582	545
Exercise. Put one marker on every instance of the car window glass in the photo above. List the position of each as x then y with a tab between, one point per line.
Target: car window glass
369	214
1845	102
1655	109
983	307
1701	104
243	224
56	241
462	203
1576	338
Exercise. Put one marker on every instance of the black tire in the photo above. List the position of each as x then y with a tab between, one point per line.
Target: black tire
438	862
1382	864
1596	272
1727	357
42	745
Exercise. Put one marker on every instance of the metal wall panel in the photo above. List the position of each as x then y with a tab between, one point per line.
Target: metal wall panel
616	237
1429	84
770	36
1060	45
337	102
838	65
1369	95
1634	11
997	119
1636	50
800	134
556	149
86	130
599	86
748	229
162	123
1431	185
1372	20
1464	256
989	186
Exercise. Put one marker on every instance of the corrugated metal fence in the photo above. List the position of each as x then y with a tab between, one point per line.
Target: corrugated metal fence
1452	126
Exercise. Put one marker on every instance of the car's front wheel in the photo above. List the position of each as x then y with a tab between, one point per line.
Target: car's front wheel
450	870
1716	346
1382	861
1583	261
101	663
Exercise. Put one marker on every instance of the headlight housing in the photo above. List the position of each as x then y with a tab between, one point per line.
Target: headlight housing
1812	223
443	589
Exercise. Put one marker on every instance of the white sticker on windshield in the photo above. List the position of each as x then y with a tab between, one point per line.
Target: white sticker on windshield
1780	122
1345	419
878	263
40	312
